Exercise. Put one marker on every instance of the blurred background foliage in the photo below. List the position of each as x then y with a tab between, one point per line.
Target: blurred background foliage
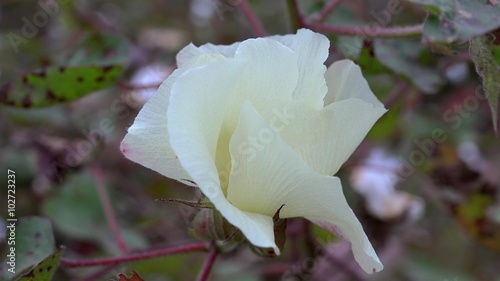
425	182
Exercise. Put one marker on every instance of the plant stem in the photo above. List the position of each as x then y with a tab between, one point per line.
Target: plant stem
252	19
327	10
197	247
367	31
362	31
209	263
108	209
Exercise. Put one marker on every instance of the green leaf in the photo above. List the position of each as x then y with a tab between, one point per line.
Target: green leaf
100	49
45	269
54	85
486	67
459	20
83	216
34	241
403	56
369	64
495	50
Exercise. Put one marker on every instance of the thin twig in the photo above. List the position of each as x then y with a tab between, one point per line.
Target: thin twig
366	31
252	19
108	209
327	10
197	247
209	263
362	31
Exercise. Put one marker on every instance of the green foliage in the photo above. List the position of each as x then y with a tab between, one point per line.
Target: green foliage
404	57
55	84
489	70
83	216
35	240
45	269
459	20
96	64
100	50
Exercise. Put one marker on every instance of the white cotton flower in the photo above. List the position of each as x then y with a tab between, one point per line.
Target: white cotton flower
258	125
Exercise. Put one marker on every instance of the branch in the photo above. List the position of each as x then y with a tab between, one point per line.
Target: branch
327	10
209	263
198	247
362	31
108	209
366	31
252	19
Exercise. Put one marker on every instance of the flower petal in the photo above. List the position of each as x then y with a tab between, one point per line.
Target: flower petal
198	104
268	80
270	77
267	174
326	138
345	81
147	141
312	49
191	51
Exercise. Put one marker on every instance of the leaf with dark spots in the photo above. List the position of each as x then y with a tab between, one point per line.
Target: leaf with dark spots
44	270
34	240
57	84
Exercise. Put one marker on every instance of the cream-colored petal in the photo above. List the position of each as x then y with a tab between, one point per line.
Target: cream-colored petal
345	81
191	51
198	105
267	174
147	141
312	49
325	139
268	80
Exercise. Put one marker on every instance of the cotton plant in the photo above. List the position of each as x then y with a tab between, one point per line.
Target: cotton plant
260	127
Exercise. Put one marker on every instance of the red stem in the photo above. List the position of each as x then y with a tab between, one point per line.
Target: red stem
198	247
252	19
108	209
366	31
327	10
209	263
362	31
